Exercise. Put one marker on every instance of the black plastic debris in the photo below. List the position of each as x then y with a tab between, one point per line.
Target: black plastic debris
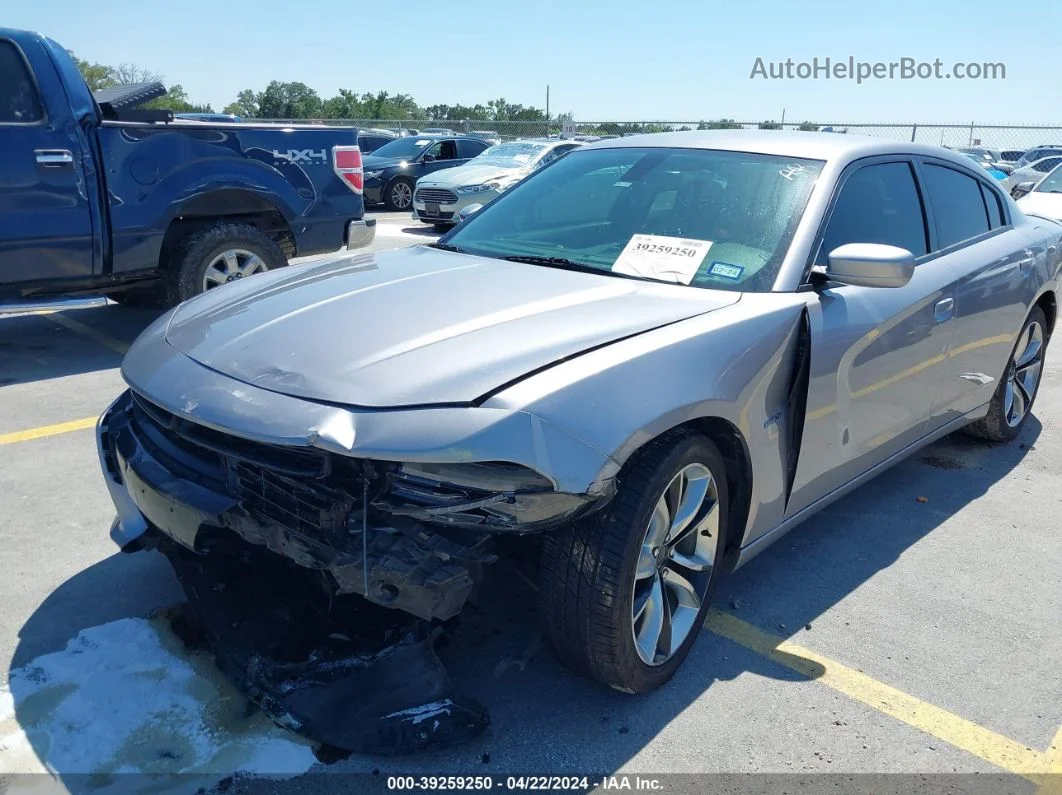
339	670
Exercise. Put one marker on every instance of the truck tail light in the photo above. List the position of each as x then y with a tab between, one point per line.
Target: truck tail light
346	162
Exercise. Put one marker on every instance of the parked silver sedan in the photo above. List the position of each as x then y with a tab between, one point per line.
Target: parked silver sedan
655	356
442	195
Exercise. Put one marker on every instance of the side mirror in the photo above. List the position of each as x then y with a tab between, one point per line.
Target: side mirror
471	209
1022	189
870	265
427	158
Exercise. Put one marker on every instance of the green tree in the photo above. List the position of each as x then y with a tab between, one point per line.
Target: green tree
176	99
808	126
289	101
719	124
769	125
246	104
97	75
344	105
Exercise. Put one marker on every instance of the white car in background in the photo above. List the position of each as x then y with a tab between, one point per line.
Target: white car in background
1033	172
1043	199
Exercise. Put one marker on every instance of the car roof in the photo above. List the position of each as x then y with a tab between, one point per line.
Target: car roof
809	145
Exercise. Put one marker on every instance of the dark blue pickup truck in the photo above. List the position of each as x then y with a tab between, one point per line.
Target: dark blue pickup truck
97	199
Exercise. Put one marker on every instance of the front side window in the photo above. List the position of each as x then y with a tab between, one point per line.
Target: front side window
702	217
19	103
1045	165
958	205
877	204
441	150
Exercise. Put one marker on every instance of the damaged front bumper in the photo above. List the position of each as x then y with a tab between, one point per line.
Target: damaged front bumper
408	536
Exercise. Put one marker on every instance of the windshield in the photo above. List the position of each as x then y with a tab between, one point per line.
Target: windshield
516	154
403	148
1052	183
700	217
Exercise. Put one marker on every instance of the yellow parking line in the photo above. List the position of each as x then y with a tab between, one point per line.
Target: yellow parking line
46	430
994	748
87	331
1051	781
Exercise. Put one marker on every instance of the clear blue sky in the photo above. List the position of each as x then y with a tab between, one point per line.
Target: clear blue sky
650	60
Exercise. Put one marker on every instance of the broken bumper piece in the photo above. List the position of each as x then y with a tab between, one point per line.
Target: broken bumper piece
349	678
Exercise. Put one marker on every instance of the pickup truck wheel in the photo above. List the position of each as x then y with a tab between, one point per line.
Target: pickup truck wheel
624	592
399	194
218	255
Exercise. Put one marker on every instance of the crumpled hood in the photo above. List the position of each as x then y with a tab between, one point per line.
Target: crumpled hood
416	326
467	175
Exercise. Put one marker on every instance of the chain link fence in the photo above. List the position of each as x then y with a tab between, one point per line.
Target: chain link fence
994	136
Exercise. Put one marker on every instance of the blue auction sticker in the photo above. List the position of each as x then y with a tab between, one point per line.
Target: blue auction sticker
725	270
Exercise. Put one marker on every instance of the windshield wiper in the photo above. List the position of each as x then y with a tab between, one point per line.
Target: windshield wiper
447	247
570	265
554	262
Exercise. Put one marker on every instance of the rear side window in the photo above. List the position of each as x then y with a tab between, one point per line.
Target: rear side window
19	103
958	206
995	209
1047	164
878	204
468	148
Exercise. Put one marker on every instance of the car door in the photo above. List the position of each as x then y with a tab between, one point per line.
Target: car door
441	154
45	217
877	354
993	262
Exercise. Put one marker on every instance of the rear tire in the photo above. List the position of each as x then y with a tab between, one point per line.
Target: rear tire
605	582
1013	400
219	253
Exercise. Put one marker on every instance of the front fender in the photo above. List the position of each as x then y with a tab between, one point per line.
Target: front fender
735	364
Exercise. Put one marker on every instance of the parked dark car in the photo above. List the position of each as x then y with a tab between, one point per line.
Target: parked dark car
392	170
371	140
99	195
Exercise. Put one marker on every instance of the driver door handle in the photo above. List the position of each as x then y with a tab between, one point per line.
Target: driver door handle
54	158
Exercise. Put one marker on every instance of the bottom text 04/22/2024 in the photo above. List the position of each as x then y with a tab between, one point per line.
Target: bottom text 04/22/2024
524	783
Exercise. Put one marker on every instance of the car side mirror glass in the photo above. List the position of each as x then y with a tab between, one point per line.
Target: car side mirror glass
1022	189
471	209
870	265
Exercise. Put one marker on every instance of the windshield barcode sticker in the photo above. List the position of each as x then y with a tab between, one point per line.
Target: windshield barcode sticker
666	259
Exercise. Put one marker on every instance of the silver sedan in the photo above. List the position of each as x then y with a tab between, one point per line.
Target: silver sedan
643	364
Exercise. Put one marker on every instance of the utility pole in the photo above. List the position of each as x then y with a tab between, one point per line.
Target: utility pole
547	110
783	119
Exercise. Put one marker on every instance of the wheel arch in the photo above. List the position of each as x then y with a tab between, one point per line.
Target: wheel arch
735	452
1049	304
227	205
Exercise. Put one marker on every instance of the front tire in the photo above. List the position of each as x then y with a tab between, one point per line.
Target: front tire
623	593
399	194
1013	400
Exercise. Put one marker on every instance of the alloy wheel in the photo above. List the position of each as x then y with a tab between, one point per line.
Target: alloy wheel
231	265
401	195
1024	374
675	564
